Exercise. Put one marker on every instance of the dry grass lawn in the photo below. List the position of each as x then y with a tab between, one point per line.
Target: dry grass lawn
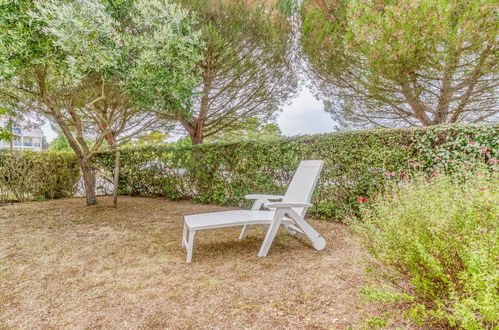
66	265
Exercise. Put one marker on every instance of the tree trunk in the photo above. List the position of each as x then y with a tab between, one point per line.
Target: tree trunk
116	178
194	128
11	138
196	138
89	183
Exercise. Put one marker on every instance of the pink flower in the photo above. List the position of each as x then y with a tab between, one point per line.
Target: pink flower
361	199
472	143
449	160
482	188
436	158
493	161
389	174
485	150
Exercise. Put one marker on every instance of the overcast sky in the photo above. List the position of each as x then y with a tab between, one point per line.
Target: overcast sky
305	115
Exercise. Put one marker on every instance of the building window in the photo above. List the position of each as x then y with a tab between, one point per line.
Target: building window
27	142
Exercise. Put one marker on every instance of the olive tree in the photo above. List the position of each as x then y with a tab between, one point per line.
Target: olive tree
70	60
403	63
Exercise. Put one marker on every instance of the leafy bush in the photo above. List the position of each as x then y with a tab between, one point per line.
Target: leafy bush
357	164
224	173
448	147
37	175
439	236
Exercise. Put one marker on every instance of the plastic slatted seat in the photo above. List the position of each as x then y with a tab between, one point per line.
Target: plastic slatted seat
289	211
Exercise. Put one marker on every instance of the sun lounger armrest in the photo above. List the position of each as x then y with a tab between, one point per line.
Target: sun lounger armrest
286	205
260	199
266	197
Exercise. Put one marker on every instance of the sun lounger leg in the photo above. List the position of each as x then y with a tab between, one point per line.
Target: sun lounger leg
190	245
318	242
244	232
290	230
184	237
269	237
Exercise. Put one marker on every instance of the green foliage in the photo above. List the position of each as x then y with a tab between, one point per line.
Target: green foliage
224	173
82	63
37	175
405	62
440	237
164	74
357	164
154	138
249	129
60	143
376	323
246	68
148	48
153	58
182	142
385	294
449	147
21	38
5	133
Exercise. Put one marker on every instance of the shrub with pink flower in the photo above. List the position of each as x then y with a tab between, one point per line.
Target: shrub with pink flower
439	241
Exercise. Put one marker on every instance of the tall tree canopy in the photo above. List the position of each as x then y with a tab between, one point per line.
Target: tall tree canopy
246	70
83	63
404	62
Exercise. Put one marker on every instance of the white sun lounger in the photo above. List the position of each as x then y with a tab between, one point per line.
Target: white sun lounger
290	212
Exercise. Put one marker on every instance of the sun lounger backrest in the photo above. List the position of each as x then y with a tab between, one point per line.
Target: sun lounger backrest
303	183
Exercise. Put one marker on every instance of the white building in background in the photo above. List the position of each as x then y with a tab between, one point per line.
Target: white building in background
27	136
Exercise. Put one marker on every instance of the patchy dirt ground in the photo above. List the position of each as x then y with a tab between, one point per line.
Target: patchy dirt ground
66	265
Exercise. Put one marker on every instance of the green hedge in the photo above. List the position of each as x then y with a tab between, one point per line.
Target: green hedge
30	175
357	164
